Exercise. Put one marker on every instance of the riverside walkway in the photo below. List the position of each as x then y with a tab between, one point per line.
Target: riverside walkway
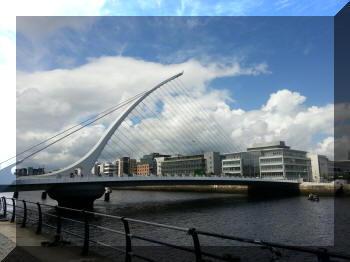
22	244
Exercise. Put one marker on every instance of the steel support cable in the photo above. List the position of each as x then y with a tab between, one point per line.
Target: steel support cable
207	116
137	151
122	140
136	138
211	135
227	137
184	148
110	153
210	142
181	131
85	125
140	129
191	125
165	130
230	142
127	137
146	125
140	142
70	128
122	151
166	137
132	151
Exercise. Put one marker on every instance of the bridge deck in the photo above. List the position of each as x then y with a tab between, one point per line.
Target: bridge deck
46	182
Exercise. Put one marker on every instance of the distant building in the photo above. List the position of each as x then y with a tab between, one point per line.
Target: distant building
241	164
110	169
159	161
278	161
150	159
143	170
132	166
30	171
203	164
123	164
320	169
21	172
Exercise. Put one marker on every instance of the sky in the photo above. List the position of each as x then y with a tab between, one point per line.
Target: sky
274	72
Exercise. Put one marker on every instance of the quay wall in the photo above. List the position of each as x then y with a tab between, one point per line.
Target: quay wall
323	188
204	189
326	189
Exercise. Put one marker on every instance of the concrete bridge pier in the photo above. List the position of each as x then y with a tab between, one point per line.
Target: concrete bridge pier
80	196
273	190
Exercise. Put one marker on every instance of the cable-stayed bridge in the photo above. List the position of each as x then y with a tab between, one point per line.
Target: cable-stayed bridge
164	119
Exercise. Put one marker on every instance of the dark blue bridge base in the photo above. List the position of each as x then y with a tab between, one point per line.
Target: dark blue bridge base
76	196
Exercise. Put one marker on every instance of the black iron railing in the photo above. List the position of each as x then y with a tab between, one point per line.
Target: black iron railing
199	254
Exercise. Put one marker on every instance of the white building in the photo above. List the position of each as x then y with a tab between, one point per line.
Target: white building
106	169
241	164
159	161
320	166
278	161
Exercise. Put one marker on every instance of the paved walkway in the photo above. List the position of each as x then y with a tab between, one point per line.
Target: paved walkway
22	244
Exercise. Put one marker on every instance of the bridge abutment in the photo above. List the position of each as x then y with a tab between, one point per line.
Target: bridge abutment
76	196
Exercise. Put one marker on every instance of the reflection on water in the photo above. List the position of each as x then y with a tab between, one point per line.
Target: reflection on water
292	220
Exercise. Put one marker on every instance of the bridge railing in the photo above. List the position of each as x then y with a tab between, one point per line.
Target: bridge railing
61	213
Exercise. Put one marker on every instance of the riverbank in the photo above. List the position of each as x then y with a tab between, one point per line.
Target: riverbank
325	189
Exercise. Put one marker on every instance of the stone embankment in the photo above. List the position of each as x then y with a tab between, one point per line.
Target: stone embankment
329	189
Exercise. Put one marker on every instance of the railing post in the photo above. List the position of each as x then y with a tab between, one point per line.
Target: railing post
196	244
127	240
4	206
59	225
13	210
86	234
24	213
40	221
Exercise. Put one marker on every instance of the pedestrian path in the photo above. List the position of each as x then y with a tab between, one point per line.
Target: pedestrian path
22	244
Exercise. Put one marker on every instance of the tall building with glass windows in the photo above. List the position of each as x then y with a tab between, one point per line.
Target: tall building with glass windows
241	164
278	161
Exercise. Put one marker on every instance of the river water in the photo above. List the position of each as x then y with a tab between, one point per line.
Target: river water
293	220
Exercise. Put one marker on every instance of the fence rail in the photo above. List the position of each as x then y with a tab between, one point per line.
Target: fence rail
321	253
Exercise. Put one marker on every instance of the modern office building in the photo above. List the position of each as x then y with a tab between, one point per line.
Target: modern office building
208	163
150	159
159	161
241	164
132	166
110	169
123	164
278	161
30	171
320	167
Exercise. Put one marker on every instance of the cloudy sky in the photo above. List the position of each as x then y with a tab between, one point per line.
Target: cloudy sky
267	78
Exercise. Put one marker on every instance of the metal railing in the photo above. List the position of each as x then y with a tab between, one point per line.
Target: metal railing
321	253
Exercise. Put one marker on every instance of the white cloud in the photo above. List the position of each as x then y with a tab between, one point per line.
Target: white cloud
49	101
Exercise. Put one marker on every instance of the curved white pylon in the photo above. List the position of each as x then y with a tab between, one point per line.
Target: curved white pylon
86	163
